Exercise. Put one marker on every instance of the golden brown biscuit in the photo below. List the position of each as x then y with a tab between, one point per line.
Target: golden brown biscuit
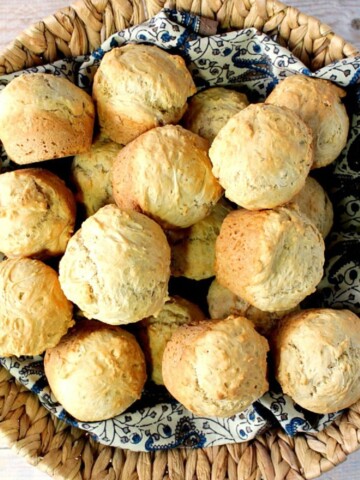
317	359
166	174
272	259
34	312
209	110
37	213
314	202
91	175
262	156
43	116
222	303
96	372
138	87
318	103
116	267
193	248
155	332
217	367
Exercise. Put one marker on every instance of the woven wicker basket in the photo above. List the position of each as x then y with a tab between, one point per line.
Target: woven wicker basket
68	453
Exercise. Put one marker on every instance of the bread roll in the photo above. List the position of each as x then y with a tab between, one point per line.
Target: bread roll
210	110
96	372
166	174
91	175
43	116
34	312
216	368
37	213
317	359
116	267
272	259
314	202
318	103
138	87
262	156
222	303
155	332
193	248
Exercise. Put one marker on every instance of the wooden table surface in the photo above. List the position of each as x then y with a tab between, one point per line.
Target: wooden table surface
15	15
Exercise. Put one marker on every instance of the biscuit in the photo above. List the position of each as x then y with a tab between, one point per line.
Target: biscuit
262	156
166	174
318	103
91	175
138	87
209	110
314	202
37	213
96	372
193	248
116	267
222	303
217	367
34	312
317	359
43	116
154	332
272	259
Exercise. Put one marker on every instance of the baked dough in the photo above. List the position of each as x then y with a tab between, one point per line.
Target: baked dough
138	87
272	259
166	174
116	267
155	332
193	248
91	175
318	103
314	202
37	213
96	372
209	110
34	312
43	116
217	367
317	359
223	303
262	156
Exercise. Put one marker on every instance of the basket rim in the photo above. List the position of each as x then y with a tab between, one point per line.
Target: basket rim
81	28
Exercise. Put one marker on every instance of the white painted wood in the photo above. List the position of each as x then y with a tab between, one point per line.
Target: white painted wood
15	15
14	467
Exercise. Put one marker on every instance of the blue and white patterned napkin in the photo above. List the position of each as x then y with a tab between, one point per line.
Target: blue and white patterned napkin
255	63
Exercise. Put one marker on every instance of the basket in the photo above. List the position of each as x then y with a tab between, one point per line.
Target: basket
68	453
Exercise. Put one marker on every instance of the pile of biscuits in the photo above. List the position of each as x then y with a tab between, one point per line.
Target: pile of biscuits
173	183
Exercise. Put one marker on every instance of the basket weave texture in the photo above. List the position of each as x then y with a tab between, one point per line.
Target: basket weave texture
68	453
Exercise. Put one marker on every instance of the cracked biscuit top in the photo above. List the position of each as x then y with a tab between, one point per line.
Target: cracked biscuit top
34	312
211	109
43	116
262	156
37	213
273	259
315	203
166	174
91	175
116	267
317	358
138	87
97	371
216	367
318	103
